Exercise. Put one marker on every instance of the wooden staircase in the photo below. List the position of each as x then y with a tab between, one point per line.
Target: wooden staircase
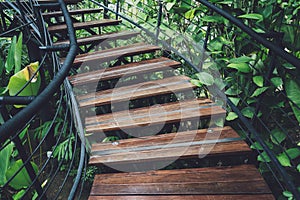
158	121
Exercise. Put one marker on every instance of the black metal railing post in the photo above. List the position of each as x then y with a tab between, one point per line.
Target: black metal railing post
159	19
28	166
117	9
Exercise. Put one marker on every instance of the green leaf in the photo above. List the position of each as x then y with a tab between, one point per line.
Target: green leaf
287	194
263	157
293	153
298	167
205	78
292	89
169	6
19	195
231	116
284	160
1	66
196	82
258	80
259	91
215	19
17	81
277	81
256	145
248	112
5	155
233	91
277	136
9	64
22	179
254	16
190	14
242	59
234	100
241	67
18	53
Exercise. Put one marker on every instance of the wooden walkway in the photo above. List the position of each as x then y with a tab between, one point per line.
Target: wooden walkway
151	104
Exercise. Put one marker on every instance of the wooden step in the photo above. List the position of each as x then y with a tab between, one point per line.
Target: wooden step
158	114
72	12
123	70
83	25
186	197
99	57
122	35
141	90
169	147
202	183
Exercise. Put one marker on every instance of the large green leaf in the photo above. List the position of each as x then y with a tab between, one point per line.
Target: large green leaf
263	157
17	81
284	160
205	78
258	80
1	66
231	116
259	91
293	153
277	136
18	53
242	67
5	155
254	16
22	179
292	89
242	59
9	64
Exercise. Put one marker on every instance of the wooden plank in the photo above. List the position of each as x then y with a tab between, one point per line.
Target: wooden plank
83	25
99	57
141	90
159	114
186	197
102	37
72	12
123	70
244	179
127	151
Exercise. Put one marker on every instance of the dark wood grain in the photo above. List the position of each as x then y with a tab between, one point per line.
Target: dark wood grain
244	179
123	70
72	12
82	25
159	114
186	197
130	155
115	53
141	90
102	37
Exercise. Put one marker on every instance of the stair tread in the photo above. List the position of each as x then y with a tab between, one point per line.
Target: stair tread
243	179
169	146
186	197
141	90
164	113
122	70
81	25
73	12
114	53
102	37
